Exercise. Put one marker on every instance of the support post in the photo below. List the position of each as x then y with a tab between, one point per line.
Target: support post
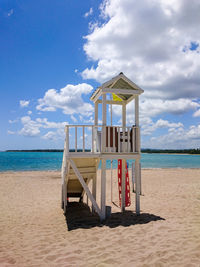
137	186
93	190
123	184
103	189
133	178
103	135
124	115
96	114
123	126
140	180
136	111
67	140
111	180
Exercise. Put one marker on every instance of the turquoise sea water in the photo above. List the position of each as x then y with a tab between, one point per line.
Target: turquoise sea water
26	161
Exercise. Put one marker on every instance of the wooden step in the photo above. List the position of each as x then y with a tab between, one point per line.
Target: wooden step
84	170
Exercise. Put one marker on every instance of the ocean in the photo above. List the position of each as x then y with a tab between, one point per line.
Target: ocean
32	161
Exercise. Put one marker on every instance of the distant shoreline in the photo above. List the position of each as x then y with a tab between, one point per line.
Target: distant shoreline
148	151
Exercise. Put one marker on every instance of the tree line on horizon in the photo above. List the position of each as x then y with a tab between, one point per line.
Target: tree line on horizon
143	150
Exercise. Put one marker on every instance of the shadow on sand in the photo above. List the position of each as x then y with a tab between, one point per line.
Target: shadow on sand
78	215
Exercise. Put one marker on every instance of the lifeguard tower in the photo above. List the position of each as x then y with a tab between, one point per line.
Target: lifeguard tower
87	145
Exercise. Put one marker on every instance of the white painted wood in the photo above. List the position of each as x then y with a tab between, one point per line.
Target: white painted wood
94	185
67	140
65	186
140	177
103	189
96	114
123	126
84	185
124	151
137	140
124	115
95	97
133	175
103	136
123	184
83	127
118	139
111	102
121	91
111	180
137	111
93	139
123	139
75	139
124	145
137	187
111	98
128	143
65	197
133	139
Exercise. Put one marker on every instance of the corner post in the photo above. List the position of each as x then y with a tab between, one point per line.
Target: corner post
96	114
137	186
136	111
123	115
94	186
103	135
103	189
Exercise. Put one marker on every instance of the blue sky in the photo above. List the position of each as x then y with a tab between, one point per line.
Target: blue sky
76	45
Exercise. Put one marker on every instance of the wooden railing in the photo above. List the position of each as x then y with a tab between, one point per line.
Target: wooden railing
102	139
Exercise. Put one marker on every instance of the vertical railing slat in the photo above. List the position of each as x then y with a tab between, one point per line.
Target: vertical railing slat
133	139
67	139
75	138
93	139
123	139
83	138
128	141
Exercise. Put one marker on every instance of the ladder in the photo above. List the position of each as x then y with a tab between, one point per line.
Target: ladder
127	185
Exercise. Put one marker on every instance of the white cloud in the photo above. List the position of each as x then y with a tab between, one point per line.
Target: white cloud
13	121
68	99
154	107
24	103
146	40
197	113
73	118
32	128
194	132
50	135
29	112
149	127
176	138
89	13
164	123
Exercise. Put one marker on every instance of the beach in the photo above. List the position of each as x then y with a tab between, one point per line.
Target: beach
34	231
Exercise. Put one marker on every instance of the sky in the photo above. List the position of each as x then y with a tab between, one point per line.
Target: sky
54	54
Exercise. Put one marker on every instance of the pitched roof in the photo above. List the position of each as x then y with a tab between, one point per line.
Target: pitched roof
119	82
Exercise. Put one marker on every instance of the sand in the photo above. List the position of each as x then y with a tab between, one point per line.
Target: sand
34	231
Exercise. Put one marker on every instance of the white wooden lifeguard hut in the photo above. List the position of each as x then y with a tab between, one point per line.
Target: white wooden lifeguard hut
107	142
